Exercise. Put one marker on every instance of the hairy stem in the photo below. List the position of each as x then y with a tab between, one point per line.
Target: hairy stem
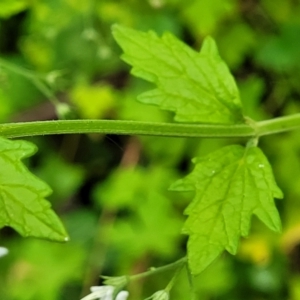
177	264
123	127
268	127
277	125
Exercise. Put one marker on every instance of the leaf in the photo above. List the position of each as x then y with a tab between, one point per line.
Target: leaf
230	185
22	203
198	87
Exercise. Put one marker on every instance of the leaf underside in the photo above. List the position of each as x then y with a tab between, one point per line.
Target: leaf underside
22	203
198	87
230	185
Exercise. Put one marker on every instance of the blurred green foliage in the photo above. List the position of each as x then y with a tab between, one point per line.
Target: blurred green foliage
112	192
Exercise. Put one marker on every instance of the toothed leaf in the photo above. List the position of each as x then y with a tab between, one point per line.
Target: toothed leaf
198	87
22	195
230	186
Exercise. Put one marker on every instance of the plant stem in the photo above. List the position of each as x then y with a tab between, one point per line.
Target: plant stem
277	125
123	127
31	76
177	264
191	283
174	278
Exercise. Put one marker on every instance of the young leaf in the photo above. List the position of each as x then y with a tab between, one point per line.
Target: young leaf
198	87
22	203
230	185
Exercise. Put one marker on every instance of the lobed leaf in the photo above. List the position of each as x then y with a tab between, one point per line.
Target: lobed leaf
22	203
230	185
198	87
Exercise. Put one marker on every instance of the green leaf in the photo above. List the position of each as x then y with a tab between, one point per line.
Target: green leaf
230	185
22	203
198	87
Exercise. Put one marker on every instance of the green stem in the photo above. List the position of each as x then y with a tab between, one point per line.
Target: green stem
278	125
123	127
12	130
174	278
191	283
16	69
31	76
177	264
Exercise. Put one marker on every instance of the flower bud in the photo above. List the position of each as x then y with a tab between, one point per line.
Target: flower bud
160	295
3	251
122	295
64	111
118	282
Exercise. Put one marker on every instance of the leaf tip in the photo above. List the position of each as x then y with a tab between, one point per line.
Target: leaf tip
118	30
115	27
66	238
209	47
181	185
59	238
175	185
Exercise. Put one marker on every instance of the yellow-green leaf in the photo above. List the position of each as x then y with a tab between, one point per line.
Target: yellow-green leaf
198	87
230	185
22	203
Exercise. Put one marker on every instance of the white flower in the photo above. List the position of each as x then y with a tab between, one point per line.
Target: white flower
3	251
122	295
105	293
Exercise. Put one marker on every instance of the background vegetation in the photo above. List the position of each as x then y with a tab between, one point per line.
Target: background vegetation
112	191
